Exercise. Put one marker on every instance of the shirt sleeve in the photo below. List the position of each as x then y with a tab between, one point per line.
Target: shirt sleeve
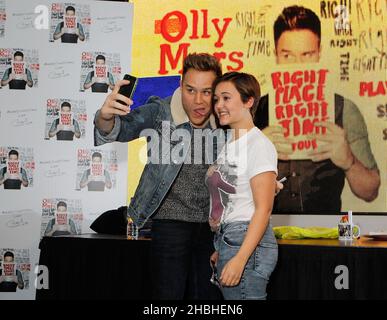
20	280
6	74
58	28
357	134
81	33
111	79
53	126
107	177
73	228
24	175
29	75
129	127
262	157
88	78
84	176
2	172
101	137
49	226
76	127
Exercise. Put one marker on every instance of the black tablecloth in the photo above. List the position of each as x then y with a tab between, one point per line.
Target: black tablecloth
95	267
111	267
308	272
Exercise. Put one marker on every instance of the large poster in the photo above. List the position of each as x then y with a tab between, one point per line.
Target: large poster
322	70
51	59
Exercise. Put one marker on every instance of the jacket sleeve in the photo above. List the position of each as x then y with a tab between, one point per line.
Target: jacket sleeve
127	128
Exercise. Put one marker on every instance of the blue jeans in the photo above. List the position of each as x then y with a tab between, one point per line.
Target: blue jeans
258	268
180	258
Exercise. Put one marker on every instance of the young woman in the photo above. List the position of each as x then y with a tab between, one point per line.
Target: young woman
242	183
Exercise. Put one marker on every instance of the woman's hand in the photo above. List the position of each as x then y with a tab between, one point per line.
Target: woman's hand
232	272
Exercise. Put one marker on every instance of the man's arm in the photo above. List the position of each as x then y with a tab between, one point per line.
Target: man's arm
8	76
30	82
49	228
73	228
113	122
2	175
77	131
364	182
24	177
81	34
58	31
85	179
20	281
53	130
111	81
88	81
108	180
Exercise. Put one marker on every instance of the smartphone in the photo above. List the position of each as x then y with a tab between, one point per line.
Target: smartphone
128	89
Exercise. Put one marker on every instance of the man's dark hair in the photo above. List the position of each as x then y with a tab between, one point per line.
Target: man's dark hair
70	8
96	155
100	57
65	104
61	204
294	18
13	152
202	62
246	84
18	53
9	254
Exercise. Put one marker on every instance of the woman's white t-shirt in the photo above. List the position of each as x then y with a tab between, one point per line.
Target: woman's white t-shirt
228	179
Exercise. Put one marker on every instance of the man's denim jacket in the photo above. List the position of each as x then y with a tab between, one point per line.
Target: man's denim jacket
156	179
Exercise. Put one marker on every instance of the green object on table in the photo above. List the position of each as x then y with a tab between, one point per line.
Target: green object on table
291	232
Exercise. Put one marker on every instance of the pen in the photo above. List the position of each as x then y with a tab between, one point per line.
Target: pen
283	179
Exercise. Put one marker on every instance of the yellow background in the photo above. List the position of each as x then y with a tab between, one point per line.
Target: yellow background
368	28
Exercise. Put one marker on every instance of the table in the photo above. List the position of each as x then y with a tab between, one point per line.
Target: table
93	266
306	269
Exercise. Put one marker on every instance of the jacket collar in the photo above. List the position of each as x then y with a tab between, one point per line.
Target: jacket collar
179	116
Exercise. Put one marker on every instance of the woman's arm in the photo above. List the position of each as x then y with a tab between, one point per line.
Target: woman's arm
263	188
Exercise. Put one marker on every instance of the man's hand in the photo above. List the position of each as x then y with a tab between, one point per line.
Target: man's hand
112	107
283	145
11	76
2	279
334	147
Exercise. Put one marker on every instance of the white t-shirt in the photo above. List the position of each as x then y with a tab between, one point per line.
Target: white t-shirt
228	179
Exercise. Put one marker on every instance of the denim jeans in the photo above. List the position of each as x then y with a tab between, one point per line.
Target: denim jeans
181	260
258	268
